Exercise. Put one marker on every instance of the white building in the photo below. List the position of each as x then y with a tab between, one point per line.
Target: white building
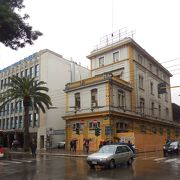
121	98
56	71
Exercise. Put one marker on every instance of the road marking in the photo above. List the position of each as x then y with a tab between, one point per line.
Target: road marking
22	160
13	162
146	158
4	164
160	159
170	160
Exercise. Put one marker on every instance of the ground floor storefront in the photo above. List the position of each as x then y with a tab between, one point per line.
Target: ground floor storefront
8	137
146	134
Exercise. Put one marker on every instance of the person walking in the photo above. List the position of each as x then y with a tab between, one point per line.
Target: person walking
87	146
74	145
33	148
71	146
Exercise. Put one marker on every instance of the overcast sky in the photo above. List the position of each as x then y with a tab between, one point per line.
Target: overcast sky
72	28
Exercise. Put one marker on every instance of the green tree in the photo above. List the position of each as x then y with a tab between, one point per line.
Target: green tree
31	93
14	32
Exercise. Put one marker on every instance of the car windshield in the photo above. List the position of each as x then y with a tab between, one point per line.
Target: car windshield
108	149
174	144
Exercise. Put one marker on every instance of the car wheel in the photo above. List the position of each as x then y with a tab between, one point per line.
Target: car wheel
112	164
130	161
92	166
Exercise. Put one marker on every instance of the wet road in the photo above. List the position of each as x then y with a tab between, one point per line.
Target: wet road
145	167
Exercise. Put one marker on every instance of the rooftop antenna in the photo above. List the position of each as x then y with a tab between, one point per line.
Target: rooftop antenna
112	16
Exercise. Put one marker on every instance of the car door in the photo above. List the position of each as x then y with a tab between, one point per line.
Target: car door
121	154
127	153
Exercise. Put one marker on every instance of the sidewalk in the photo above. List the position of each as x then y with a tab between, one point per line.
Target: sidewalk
52	152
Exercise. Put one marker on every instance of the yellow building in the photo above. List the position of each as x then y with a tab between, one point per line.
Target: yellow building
121	98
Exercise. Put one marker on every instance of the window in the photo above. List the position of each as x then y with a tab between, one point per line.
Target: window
22	73
76	126
158	93
154	130
30	120
101	61
5	82
166	97
26	73
167	113
20	122
121	99
20	106
140	59
12	108
36	120
94	125
157	71
152	88
16	107
141	82
143	128
142	105
31	72
16	122
7	123
152	109
94	98
159	110
7	108
36	70
150	67
12	123
3	125
161	131
121	127
2	84
116	56
77	100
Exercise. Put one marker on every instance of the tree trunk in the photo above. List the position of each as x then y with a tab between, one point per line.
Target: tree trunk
26	125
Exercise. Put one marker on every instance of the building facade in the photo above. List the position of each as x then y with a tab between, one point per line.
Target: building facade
56	71
122	99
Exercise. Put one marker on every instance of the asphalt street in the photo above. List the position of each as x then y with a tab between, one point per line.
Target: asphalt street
152	166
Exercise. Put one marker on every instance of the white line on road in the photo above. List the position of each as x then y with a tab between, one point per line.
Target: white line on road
4	164
160	159
22	160
13	162
170	160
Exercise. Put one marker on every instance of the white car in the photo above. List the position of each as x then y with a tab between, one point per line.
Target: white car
110	156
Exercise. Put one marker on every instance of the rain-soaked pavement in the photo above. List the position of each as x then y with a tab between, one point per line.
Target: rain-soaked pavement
151	166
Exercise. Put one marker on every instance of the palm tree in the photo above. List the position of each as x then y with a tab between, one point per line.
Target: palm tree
31	93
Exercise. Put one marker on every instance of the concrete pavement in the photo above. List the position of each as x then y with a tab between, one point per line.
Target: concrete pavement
52	152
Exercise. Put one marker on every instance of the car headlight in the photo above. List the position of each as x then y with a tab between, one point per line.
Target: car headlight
175	147
103	159
164	147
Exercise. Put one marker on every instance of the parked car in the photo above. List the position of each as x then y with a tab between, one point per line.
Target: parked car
172	148
110	156
61	145
2	151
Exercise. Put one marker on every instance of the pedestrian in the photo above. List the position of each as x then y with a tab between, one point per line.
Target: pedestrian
33	148
87	146
71	145
101	144
131	146
74	145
